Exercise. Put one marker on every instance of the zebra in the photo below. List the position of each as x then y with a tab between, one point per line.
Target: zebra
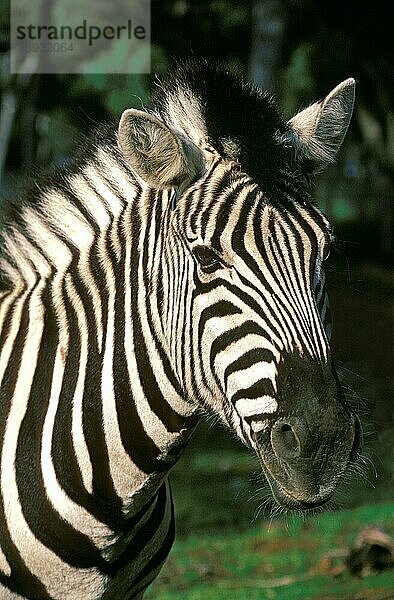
174	269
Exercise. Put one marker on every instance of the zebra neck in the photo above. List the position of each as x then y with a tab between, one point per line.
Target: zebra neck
79	262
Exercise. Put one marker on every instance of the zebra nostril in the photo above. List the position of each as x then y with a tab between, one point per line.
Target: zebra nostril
285	441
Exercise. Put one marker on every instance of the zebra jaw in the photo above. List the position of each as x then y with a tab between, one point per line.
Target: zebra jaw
301	478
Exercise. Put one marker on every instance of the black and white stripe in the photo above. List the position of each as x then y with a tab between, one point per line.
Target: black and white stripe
114	334
265	299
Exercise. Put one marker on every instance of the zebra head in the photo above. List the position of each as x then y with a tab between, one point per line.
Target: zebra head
238	274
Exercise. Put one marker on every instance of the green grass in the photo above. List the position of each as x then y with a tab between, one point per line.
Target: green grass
289	563
225	550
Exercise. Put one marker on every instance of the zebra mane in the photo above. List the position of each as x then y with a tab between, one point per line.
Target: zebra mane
212	105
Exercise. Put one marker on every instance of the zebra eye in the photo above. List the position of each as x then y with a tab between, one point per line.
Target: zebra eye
207	259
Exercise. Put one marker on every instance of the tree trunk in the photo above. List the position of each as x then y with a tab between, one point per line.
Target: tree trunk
7	115
267	23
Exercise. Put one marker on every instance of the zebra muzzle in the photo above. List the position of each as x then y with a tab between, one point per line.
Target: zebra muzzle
303	465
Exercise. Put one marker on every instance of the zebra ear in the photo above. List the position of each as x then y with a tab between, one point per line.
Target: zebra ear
317	132
155	153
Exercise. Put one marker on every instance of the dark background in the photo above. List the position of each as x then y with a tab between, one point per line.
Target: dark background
300	50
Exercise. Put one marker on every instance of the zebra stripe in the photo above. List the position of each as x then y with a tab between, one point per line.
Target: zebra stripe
265	282
65	276
114	334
